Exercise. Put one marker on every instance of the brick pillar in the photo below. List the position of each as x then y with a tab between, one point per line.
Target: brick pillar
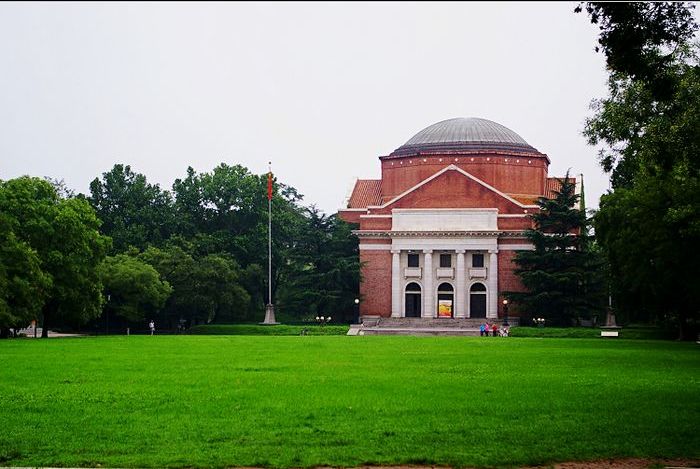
428	297
395	284
460	288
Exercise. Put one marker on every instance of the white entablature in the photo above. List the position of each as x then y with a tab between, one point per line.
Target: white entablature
444	219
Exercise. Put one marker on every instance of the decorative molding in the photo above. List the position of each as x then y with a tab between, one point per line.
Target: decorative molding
383	234
516	247
375	216
375	247
445	272
410	272
477	272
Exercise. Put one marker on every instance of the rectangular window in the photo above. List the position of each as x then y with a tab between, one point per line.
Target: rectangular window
445	260
413	260
477	260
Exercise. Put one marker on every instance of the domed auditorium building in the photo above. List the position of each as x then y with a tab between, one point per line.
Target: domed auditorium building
438	232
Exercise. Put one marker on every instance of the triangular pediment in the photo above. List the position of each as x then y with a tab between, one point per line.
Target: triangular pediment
453	187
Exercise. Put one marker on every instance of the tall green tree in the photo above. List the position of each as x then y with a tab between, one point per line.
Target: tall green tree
649	225
23	285
225	211
562	274
133	212
134	287
326	279
64	233
205	289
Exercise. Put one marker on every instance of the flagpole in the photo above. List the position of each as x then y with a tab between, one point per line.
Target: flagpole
270	308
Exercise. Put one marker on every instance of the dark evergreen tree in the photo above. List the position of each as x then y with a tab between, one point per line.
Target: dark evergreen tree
563	275
325	280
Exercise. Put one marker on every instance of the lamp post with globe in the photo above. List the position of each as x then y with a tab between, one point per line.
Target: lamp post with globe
322	320
357	311
505	313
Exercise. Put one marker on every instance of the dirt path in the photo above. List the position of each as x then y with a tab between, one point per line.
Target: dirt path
629	463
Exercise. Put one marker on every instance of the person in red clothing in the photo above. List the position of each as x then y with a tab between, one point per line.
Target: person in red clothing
495	329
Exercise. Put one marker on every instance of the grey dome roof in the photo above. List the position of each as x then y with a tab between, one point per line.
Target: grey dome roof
464	133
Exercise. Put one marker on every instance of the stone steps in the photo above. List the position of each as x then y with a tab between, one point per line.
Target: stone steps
432	331
430	323
375	325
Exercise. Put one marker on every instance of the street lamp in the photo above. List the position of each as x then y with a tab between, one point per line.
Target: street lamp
323	320
357	311
505	313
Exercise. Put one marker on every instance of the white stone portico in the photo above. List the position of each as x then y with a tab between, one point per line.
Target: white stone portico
447	245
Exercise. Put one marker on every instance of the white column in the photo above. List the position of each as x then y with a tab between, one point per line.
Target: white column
396	284
461	284
428	297
492	311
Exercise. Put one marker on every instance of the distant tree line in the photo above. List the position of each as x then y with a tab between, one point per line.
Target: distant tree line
131	251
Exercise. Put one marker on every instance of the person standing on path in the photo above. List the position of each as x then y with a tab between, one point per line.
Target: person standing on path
152	327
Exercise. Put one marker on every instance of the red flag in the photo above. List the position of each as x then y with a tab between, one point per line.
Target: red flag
269	185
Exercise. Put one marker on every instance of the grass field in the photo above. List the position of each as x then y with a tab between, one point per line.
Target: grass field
215	401
255	329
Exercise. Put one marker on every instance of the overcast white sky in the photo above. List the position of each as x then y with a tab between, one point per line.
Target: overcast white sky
321	90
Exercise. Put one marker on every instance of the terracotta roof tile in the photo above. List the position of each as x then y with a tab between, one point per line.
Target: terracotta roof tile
525	199
553	185
366	192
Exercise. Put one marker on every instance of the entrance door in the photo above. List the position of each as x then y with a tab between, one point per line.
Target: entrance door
445	300
412	301
477	301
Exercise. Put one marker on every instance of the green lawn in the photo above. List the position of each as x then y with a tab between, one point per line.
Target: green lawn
215	401
256	329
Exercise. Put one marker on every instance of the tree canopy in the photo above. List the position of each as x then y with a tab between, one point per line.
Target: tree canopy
649	224
134	288
64	235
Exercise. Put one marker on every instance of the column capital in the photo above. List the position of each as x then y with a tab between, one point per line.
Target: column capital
493	251
427	251
396	251
460	251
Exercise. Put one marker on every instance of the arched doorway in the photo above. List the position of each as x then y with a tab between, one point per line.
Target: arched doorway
445	300
412	301
477	301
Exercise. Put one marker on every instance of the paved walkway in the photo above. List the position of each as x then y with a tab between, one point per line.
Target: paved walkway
30	333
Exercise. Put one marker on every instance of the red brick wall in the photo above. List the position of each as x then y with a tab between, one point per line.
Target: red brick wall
453	189
369	223
513	223
375	285
517	175
351	216
507	279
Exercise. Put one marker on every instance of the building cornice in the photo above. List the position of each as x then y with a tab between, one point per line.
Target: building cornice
382	234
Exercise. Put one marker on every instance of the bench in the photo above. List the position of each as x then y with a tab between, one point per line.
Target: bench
609	333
